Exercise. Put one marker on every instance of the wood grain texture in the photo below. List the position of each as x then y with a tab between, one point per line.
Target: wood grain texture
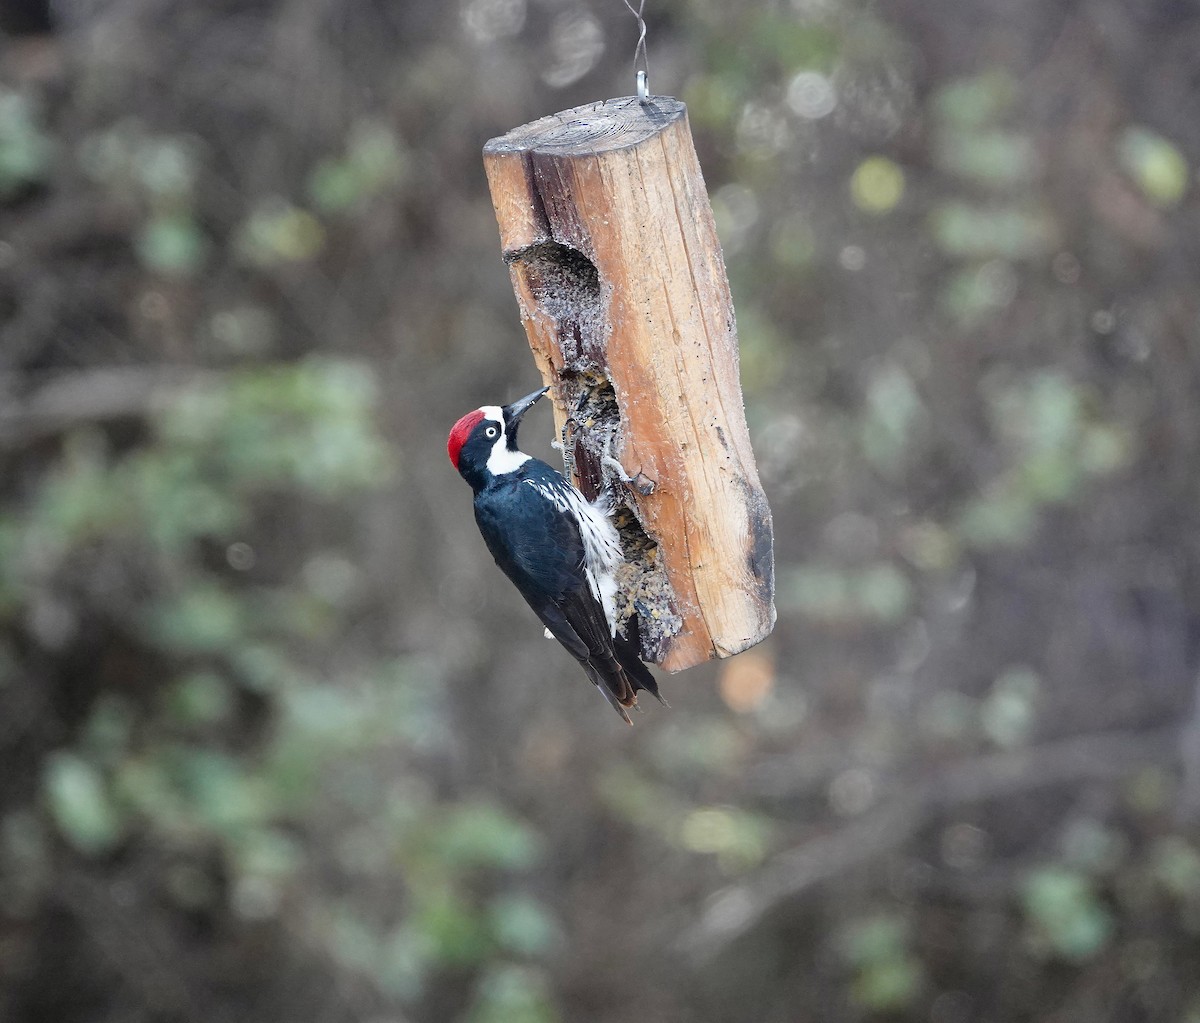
609	236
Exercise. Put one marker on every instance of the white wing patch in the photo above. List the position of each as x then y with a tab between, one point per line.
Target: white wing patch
602	554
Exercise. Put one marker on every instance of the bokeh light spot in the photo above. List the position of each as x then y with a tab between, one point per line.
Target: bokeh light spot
877	185
746	681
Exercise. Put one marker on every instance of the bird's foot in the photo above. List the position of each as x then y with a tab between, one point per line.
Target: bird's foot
640	482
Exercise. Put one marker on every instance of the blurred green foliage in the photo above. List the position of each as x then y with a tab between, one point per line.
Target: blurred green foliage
990	223
26	149
1056	448
511	994
79	804
279	232
887	976
1065	916
1008	713
1158	168
966	342
374	160
736	838
163	766
158	174
172	244
878	593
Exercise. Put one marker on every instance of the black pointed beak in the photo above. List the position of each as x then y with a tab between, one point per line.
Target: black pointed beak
514	412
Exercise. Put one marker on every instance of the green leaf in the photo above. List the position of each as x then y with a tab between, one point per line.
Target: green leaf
970	294
888	986
334	185
1089	845
974	232
874	593
1158	167
883	593
25	149
522	925
453	933
201	698
166	166
977	101
480	834
374	161
403	963
949	714
204	618
277	232
1008	714
1068	919
737	839
793	42
267	853
219	790
1176	866
512	994
172	244
1000	518
894	416
79	803
874	939
887	976
351	942
109	727
818	592
376	155
995	159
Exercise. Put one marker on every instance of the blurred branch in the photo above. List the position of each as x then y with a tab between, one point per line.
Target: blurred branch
132	941
1189	755
737	909
89	396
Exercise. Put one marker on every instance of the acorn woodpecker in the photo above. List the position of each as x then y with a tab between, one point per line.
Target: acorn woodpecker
560	550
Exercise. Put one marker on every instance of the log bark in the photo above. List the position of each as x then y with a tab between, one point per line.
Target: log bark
609	237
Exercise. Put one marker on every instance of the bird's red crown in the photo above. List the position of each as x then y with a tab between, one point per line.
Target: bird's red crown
460	432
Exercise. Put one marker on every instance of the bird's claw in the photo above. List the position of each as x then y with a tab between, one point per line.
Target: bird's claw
643	484
640	482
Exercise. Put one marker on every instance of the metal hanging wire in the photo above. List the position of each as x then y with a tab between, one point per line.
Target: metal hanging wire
641	63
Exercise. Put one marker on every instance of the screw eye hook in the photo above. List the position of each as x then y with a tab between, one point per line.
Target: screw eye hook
641	63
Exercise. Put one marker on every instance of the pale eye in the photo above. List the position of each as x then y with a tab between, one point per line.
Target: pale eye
491	431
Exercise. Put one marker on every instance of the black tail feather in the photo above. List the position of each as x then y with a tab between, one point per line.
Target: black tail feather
626	648
620	675
606	687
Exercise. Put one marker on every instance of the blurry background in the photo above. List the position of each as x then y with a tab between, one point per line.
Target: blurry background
278	742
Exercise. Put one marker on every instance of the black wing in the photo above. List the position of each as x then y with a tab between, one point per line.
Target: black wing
540	549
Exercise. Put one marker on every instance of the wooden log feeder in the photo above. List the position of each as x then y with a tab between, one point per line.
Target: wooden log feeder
609	237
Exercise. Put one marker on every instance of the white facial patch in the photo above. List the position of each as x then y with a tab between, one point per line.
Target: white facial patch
501	460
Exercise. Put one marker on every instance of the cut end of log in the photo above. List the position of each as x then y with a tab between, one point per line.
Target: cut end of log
608	233
605	126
